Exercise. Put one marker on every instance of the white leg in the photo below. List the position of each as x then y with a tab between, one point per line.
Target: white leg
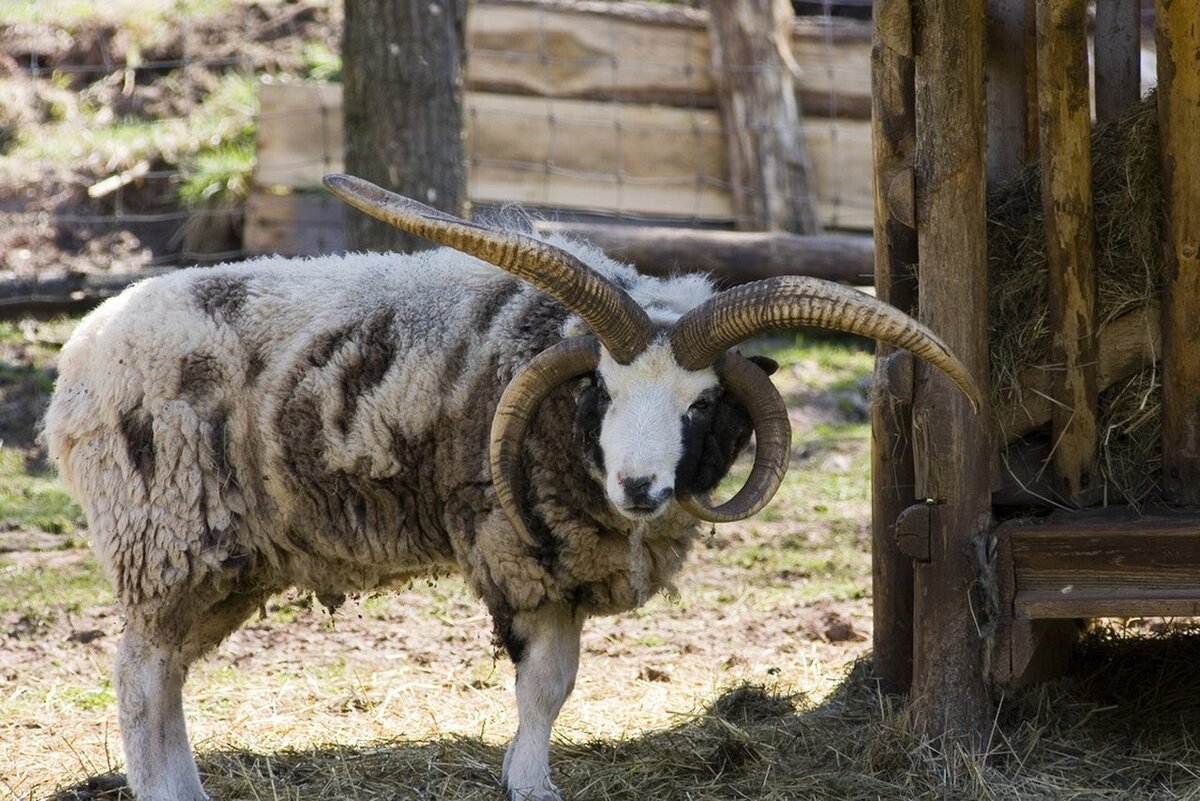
149	684
545	677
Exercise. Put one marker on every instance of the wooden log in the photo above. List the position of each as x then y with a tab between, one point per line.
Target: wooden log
892	491
768	162
1118	46
1065	141
1124	346
951	440
1178	38
1106	563
733	257
63	292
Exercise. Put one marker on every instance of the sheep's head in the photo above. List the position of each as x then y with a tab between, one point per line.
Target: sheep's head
656	388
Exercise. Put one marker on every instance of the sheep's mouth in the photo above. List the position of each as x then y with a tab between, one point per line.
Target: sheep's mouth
641	511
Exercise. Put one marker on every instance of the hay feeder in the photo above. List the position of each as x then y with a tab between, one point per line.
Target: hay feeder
982	567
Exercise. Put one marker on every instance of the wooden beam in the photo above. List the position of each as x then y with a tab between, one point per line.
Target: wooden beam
1118	47
952	443
1178	38
893	132
1065	125
753	70
733	257
1105	563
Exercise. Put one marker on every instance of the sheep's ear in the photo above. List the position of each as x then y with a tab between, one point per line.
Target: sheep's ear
765	363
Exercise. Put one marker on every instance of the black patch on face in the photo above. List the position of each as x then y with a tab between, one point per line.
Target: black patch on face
374	355
220	296
137	428
590	408
715	430
199	375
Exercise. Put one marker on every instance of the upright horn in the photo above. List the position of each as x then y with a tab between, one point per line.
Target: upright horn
619	322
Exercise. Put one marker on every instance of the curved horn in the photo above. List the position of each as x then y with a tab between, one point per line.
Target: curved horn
619	322
708	330
773	441
549	369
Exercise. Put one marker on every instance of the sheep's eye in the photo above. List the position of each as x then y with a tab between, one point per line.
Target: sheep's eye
701	405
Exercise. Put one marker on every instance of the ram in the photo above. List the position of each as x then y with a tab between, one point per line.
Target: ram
551	430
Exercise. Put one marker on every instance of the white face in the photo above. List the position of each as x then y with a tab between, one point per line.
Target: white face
641	433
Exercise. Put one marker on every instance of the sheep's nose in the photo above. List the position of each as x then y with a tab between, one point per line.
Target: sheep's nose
637	491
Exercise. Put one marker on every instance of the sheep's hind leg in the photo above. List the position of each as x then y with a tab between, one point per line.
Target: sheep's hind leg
545	677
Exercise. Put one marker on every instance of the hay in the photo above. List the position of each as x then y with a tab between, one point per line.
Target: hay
1120	728
1127	198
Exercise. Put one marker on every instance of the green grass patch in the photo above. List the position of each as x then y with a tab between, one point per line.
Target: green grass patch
33	499
44	592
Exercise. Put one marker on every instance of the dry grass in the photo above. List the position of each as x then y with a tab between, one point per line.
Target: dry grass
1127	198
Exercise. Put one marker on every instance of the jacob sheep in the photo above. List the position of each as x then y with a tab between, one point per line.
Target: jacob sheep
550	430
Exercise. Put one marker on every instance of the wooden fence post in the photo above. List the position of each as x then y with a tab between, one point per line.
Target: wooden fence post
894	139
1065	125
1178	38
952	441
752	70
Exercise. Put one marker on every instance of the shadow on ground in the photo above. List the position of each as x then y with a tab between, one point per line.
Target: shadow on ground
1121	727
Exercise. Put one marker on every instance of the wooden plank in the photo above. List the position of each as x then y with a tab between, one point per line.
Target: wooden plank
894	142
954	454
1114	562
1125	346
1178	38
294	224
657	54
575	154
1065	141
1118	46
299	133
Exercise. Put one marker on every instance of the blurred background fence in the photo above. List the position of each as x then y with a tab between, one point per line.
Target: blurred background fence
157	133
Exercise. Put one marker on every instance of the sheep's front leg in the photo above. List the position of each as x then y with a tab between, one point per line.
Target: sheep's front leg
546	671
149	680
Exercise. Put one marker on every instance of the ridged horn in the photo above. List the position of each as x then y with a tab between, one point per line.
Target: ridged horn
773	442
518	404
708	330
619	322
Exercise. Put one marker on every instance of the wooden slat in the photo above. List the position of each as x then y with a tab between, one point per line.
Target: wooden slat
1118	43
1114	563
1178	38
894	134
1065	125
574	154
951	440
